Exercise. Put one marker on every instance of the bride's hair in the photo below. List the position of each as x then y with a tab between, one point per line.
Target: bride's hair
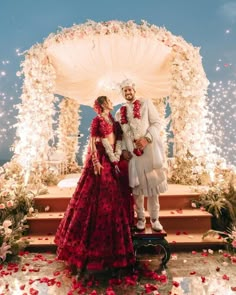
98	108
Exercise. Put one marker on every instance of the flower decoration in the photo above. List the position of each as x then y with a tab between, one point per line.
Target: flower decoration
123	113
133	129
68	137
230	238
97	107
136	109
15	203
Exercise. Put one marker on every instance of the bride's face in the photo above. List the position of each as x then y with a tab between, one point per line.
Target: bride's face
108	105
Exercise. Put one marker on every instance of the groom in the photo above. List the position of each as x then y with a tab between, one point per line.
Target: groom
142	147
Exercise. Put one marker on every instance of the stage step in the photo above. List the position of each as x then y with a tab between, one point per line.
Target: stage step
184	225
172	221
57	199
178	242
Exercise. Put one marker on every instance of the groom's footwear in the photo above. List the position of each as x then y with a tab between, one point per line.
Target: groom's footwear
141	224
156	225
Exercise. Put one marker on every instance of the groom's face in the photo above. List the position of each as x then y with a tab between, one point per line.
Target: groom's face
128	93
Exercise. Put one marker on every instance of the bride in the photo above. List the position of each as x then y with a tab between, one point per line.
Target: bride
95	231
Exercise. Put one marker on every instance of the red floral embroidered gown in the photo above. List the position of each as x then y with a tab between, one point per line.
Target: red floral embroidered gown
95	231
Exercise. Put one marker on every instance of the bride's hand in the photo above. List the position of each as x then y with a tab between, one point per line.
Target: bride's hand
98	168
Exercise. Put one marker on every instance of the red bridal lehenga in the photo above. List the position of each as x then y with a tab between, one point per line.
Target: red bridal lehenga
95	231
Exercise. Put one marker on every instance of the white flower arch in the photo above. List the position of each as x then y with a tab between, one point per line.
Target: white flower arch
186	94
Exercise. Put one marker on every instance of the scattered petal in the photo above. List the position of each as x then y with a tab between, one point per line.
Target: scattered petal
225	277
176	284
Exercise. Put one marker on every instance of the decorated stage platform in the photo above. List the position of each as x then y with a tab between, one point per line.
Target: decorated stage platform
184	225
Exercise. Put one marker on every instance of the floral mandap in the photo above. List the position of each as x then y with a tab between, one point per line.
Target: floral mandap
91	59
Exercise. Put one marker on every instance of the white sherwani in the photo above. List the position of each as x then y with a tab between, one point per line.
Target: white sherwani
146	172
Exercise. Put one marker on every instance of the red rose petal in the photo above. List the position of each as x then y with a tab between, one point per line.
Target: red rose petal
225	277
203	279
22	287
176	284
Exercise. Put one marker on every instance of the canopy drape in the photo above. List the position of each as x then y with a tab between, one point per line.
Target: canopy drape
92	66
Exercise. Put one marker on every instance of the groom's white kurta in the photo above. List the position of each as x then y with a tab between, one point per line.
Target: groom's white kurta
146	173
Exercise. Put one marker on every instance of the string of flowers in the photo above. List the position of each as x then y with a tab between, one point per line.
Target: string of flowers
68	128
35	113
133	129
189	117
160	104
132	112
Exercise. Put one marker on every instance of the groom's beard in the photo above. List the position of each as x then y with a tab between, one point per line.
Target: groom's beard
129	97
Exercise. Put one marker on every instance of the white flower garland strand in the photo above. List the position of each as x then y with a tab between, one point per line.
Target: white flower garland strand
113	156
36	111
133	128
69	121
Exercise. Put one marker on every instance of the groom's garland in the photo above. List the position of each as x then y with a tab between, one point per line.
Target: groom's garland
133	126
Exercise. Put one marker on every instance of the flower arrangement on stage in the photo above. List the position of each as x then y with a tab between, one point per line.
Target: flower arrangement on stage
219	199
15	203
229	237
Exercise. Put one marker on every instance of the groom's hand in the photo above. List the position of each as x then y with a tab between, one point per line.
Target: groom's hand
141	143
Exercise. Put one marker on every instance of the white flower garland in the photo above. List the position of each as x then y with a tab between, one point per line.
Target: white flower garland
133	129
69	120
35	113
113	156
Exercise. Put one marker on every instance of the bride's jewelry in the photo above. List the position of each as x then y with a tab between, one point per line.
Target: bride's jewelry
113	156
107	119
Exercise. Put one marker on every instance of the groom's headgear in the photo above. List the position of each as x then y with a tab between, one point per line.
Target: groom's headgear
127	83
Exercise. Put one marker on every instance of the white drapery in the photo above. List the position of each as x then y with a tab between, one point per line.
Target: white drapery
95	65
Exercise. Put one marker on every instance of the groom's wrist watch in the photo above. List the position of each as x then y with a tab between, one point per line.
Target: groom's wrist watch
148	139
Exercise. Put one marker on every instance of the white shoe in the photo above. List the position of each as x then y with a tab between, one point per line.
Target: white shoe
156	225
141	224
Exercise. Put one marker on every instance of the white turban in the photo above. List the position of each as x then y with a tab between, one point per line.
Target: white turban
127	83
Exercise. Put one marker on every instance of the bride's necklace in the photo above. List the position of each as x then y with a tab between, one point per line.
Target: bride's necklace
107	119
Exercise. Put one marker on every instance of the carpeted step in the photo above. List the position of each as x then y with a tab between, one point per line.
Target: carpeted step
173	221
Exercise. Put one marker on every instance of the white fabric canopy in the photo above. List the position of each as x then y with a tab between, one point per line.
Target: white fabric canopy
96	65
